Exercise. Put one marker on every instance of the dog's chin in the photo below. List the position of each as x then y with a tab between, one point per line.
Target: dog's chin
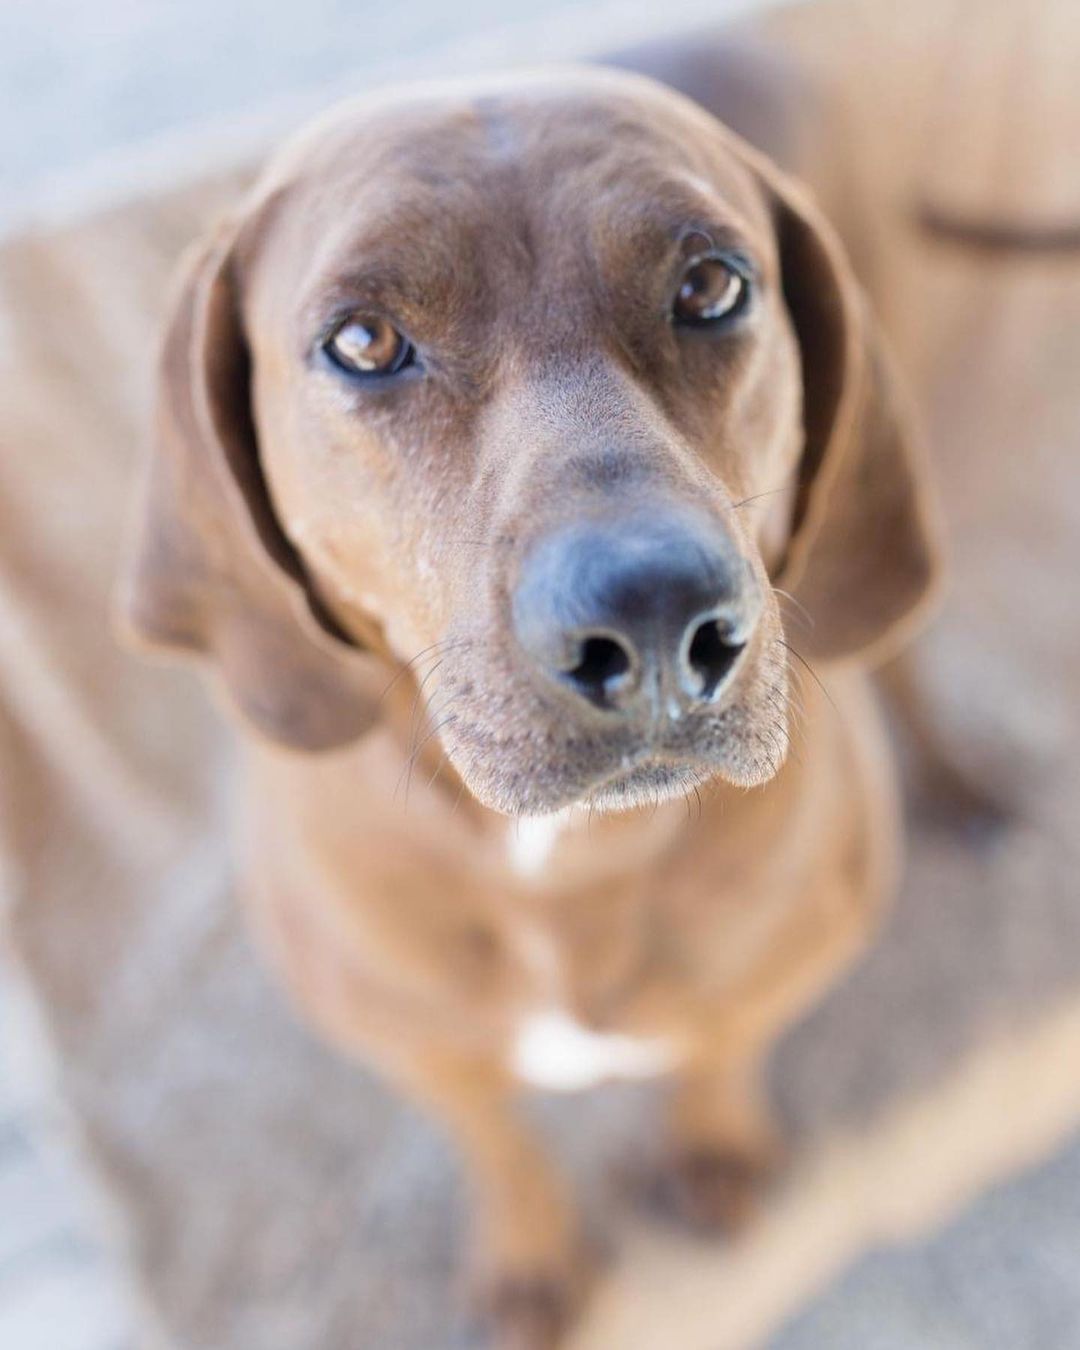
649	784
513	786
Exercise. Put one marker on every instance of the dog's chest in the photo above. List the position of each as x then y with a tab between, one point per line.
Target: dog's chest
552	1049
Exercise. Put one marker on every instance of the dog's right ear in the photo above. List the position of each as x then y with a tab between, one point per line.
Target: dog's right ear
211	571
864	549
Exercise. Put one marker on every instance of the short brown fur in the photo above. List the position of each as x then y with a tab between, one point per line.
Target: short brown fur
345	558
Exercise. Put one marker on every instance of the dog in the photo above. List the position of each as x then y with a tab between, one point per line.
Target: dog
527	463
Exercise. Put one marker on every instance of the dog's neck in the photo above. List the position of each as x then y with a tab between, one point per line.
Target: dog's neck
578	845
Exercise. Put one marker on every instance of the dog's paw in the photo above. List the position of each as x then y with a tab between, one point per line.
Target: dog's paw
712	1190
529	1312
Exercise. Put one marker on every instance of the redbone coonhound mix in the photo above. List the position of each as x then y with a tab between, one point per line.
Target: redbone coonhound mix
518	443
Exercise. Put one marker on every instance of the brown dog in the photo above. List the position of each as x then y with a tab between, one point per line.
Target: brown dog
559	399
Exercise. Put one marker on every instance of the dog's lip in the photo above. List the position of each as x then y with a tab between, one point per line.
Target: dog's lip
637	763
667	745
682	774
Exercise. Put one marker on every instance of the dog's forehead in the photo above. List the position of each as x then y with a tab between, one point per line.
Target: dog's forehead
561	147
417	118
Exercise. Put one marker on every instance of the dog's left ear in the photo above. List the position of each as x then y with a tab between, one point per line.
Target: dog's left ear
863	550
211	572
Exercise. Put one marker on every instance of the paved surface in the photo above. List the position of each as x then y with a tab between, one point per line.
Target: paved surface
57	1291
1006	1276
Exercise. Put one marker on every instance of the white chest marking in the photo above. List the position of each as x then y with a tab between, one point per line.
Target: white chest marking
553	1051
531	840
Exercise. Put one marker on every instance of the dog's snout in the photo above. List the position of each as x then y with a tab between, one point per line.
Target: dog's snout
636	613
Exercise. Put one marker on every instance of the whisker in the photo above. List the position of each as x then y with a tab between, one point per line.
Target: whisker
779	706
420	687
771	732
443	646
787	703
775	760
430	713
419	749
406	666
777	731
778	590
406	772
438	770
810	669
417	718
757	496
792	618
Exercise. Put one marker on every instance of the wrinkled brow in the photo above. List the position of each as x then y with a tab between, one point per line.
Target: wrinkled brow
660	239
428	257
676	207
406	268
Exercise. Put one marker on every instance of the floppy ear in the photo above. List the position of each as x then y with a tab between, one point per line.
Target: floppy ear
863	552
211	572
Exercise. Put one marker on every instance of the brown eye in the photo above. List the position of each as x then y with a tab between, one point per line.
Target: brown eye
710	289
368	346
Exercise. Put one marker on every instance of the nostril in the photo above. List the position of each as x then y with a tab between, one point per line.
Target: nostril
712	652
602	670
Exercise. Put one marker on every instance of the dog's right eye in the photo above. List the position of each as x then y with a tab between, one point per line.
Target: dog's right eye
713	288
366	345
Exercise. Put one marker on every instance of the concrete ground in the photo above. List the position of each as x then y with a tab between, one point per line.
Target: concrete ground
57	1291
1006	1276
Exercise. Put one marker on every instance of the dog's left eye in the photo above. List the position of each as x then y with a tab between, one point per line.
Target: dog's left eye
365	345
710	289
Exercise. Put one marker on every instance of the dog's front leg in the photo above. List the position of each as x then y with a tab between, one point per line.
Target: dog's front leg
528	1271
721	1145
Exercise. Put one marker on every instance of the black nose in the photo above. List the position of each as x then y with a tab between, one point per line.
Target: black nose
637	611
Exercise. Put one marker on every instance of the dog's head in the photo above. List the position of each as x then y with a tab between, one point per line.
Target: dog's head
550	387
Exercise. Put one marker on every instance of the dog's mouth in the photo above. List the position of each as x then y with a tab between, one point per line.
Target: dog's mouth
524	755
649	782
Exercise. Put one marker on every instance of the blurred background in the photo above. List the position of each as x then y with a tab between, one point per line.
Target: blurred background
88	92
105	103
